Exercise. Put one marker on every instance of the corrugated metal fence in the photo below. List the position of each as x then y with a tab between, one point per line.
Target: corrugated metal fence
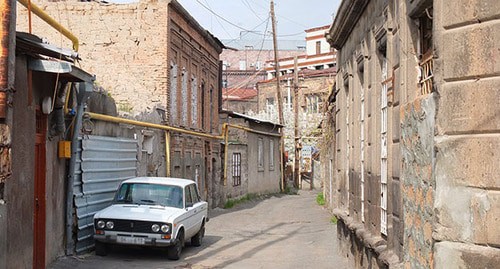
104	162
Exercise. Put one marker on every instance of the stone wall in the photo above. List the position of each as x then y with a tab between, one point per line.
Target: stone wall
442	145
308	121
467	141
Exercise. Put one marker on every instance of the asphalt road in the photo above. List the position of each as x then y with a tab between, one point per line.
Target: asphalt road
286	231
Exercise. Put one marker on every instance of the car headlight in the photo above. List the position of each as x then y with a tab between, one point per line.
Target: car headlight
155	228
165	228
110	225
101	224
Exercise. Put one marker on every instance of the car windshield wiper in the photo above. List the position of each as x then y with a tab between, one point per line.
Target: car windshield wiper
148	201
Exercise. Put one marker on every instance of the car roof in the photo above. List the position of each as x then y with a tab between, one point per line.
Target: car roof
181	182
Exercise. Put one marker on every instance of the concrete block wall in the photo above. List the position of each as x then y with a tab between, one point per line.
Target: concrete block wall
467	141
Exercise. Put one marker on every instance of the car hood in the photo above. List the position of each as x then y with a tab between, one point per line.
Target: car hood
139	212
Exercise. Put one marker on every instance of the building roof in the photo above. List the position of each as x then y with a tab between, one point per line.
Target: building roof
347	16
238	93
248	118
307	73
317	28
214	41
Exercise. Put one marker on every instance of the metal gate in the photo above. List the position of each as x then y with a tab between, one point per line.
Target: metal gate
103	163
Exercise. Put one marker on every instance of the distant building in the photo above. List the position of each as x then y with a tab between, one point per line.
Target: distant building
243	66
319	55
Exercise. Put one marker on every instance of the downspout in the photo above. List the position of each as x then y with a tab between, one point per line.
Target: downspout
226	147
167	153
82	93
48	19
7	34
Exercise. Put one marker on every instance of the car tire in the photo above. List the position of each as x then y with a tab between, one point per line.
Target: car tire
174	251
101	249
197	239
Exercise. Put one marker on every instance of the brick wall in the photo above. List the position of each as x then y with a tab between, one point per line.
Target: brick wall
123	45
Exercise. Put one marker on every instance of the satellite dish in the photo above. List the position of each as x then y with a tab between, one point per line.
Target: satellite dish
47	105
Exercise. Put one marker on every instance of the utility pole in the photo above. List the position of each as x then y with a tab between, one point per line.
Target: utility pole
279	97
296	166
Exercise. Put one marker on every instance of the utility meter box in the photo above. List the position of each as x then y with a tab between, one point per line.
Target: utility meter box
65	149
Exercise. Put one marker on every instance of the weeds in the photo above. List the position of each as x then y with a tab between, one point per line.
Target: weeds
320	199
333	220
230	203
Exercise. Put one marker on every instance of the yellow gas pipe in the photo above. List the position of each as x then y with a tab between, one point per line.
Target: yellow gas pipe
224	134
48	19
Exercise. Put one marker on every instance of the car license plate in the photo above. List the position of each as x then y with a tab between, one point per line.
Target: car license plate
130	240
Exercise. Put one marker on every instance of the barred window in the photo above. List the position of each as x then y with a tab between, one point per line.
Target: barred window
236	169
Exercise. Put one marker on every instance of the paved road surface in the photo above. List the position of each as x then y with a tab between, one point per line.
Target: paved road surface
288	231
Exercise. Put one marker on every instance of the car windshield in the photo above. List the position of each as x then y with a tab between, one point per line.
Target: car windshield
149	194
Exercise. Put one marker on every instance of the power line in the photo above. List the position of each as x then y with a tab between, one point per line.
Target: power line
221	25
222	18
237	26
251	9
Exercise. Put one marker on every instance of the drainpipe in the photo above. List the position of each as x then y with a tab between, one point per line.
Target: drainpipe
48	19
7	34
167	153
81	97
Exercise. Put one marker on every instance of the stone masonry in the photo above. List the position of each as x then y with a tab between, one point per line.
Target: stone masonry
417	133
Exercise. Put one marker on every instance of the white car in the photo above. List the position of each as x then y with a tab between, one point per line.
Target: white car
155	212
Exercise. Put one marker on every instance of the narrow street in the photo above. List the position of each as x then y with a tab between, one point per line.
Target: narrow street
288	231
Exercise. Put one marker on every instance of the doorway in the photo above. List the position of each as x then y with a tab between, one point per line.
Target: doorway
39	194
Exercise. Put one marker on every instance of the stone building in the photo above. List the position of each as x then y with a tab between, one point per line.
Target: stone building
414	124
314	88
253	156
243	67
318	55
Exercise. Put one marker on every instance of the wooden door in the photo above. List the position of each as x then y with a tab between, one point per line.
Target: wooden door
39	197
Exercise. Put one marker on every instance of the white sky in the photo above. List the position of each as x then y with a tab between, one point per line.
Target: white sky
293	16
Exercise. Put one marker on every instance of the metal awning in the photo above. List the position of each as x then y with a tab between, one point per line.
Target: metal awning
68	71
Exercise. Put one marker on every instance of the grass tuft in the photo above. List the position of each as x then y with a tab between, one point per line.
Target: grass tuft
230	203
333	220
320	199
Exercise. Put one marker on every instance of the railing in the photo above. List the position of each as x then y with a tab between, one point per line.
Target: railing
426	75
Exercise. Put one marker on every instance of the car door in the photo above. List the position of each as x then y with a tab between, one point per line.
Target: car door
190	219
198	207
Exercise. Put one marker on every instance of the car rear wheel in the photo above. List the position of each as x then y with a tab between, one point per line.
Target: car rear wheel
101	249
197	239
174	252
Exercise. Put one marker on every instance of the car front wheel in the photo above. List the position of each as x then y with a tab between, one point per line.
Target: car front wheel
174	252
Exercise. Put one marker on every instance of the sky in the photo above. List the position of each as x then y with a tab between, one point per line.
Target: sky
232	19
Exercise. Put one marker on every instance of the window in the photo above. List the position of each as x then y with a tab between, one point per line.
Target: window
426	63
318	47
270	106
194	194
189	197
383	148
312	103
271	154
260	154
236	169
243	65
150	194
